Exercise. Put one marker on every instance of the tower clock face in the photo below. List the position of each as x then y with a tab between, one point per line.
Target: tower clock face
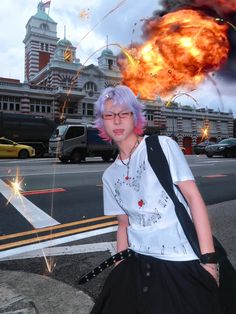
68	56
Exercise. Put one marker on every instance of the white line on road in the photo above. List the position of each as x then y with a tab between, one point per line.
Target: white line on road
219	161
67	250
41	173
16	252
22	161
199	165
37	217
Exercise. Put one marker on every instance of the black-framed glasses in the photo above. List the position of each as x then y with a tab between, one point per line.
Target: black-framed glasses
109	115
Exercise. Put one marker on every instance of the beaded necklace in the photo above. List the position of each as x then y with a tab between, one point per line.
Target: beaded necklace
129	159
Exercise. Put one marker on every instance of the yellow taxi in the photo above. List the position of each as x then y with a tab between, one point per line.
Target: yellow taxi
9	149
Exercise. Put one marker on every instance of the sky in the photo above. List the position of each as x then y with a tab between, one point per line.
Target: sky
122	26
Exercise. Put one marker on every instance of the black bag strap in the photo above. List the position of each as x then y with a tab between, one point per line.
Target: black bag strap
160	166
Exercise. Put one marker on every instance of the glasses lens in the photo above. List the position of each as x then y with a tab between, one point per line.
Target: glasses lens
124	114
108	116
112	115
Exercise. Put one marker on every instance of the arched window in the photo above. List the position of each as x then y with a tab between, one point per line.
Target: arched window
90	86
66	80
44	26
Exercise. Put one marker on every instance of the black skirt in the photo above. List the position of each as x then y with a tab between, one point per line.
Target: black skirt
147	285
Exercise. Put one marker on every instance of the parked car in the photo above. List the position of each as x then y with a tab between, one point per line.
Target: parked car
200	147
225	148
9	149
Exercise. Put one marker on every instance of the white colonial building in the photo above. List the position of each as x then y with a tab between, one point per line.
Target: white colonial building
57	85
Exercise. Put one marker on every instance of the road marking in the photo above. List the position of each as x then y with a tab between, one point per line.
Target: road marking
56	235
54	242
57	172
33	214
67	250
45	191
200	165
60	226
218	161
215	176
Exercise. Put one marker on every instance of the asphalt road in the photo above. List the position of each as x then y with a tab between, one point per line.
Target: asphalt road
215	177
70	193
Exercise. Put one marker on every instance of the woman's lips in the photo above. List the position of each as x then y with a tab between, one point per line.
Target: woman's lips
118	131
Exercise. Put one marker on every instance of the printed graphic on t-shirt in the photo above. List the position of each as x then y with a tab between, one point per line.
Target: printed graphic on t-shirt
136	191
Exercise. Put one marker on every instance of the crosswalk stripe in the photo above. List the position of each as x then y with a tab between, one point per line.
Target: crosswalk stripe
33	214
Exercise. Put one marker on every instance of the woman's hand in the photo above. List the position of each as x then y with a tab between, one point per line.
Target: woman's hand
213	269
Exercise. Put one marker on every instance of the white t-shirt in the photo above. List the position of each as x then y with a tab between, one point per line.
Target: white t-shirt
153	228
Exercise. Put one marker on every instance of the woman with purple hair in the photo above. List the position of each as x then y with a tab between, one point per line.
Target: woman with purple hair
163	274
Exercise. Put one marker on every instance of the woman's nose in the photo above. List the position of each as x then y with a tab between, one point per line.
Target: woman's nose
117	119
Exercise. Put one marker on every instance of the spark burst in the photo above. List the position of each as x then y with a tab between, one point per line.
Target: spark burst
16	186
84	14
205	133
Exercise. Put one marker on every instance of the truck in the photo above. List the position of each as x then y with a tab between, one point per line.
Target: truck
75	142
28	129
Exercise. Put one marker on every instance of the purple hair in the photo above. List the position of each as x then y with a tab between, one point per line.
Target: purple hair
121	96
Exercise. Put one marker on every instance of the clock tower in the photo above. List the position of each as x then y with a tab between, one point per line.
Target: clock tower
40	42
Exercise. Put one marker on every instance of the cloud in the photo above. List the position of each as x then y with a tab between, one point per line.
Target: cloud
221	96
118	26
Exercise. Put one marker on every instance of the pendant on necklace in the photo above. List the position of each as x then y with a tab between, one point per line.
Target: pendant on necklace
127	174
127	164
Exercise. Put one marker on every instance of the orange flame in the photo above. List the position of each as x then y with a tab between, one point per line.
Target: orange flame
182	48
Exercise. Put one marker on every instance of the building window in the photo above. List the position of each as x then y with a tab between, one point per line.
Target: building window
17	107
42	108
42	46
12	106
70	110
88	109
44	26
4	106
90	86
48	109
110	64
46	47
37	109
149	115
32	108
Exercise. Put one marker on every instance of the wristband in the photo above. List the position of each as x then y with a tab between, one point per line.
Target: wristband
209	258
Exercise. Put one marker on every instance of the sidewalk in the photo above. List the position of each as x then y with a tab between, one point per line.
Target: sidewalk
27	293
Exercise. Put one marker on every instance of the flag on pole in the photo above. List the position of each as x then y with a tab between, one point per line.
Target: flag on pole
46	4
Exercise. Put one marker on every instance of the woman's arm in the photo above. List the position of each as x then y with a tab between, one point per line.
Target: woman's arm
201	221
122	239
199	214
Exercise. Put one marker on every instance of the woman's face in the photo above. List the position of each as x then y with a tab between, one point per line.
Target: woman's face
118	127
